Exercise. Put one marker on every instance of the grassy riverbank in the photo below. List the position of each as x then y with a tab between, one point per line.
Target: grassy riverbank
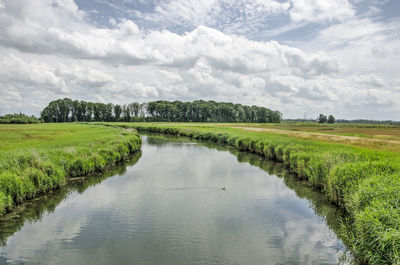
363	180
34	210
37	158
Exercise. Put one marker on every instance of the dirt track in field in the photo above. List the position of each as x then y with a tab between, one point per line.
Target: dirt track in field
390	145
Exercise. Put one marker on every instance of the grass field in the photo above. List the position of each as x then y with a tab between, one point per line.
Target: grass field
378	137
356	166
34	210
37	158
362	177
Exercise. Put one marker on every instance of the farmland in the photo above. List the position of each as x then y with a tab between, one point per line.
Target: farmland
376	137
37	158
357	167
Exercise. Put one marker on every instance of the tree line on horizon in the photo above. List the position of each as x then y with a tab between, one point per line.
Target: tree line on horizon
18	118
68	110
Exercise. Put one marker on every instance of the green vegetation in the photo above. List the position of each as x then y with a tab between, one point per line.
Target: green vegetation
67	110
364	182
36	159
387	122
323	119
331	119
378	136
34	210
18	119
349	122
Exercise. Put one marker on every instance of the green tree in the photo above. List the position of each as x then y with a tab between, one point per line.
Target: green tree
117	112
18	119
66	110
134	109
108	112
331	119
322	118
97	112
126	113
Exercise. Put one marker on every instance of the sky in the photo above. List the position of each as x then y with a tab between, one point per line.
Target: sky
301	57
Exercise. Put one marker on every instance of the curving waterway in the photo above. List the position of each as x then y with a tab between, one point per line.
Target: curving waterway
177	202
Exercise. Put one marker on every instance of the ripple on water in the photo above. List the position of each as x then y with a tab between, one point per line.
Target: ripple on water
170	208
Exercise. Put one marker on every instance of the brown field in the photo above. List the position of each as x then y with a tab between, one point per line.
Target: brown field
379	137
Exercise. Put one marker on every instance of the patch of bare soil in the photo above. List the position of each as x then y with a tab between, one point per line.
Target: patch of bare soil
129	130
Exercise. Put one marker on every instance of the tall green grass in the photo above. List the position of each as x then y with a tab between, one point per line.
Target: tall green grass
365	183
53	153
32	211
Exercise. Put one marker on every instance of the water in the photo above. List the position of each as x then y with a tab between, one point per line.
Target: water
170	207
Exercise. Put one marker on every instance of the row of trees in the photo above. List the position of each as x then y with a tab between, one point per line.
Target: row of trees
323	119
67	110
18	119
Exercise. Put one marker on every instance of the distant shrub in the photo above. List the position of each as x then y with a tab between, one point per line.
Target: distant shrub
18	119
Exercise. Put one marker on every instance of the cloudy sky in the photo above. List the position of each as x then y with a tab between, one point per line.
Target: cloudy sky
339	57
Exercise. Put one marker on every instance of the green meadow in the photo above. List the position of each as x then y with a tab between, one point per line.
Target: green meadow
356	167
38	158
363	180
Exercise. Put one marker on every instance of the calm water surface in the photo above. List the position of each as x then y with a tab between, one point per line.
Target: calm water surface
170	207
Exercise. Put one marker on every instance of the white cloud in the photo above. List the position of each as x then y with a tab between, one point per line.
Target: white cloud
125	44
58	54
27	73
171	75
240	15
60	78
357	31
371	80
29	82
363	45
320	10
145	91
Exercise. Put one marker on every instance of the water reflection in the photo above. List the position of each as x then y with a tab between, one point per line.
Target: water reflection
33	210
316	200
170	208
